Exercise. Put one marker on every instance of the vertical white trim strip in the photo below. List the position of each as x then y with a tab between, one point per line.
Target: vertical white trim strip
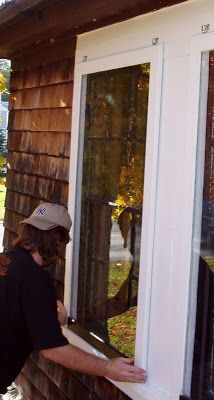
149	206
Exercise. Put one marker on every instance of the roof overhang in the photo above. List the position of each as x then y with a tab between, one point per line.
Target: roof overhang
25	23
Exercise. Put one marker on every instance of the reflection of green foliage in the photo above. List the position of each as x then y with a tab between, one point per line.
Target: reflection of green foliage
122	330
5	71
130	187
145	68
210	262
2	161
118	273
2	200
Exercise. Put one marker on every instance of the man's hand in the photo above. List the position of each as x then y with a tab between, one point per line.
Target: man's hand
4	262
122	370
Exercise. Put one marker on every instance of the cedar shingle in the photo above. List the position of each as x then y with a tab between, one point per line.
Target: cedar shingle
38	187
51	143
42	120
59	95
42	75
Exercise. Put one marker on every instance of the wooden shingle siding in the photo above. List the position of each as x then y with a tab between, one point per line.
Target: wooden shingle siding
12	226
42	165
42	120
17	202
28	389
73	386
38	141
42	383
32	186
52	96
52	143
42	75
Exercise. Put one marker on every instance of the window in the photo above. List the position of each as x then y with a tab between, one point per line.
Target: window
114	163
202	387
115	115
113	175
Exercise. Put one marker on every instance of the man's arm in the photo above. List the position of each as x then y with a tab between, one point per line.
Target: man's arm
62	313
118	369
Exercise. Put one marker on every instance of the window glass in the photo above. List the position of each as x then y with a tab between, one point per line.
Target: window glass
115	114
203	359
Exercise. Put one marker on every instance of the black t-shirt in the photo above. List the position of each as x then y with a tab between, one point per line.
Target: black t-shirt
28	314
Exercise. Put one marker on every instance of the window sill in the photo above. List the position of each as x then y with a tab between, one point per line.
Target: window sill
94	340
147	391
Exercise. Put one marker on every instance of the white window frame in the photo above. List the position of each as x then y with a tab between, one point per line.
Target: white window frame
197	95
153	55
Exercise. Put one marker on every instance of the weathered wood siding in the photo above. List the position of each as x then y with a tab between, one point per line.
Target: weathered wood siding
39	140
38	144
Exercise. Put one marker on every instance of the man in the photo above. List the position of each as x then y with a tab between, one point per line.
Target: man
28	308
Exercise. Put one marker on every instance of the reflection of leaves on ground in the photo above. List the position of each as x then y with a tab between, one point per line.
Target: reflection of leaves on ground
122	330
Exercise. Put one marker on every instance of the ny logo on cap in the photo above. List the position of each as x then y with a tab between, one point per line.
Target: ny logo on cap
41	211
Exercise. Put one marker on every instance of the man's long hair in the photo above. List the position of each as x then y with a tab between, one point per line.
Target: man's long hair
46	242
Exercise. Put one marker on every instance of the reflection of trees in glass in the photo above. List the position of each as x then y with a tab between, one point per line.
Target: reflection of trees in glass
115	128
130	186
5	71
112	196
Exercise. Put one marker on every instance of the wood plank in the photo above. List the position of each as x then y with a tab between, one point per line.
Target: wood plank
42	75
41	382
11	221
41	120
41	55
59	95
8	239
19	203
39	165
51	143
30	392
38	187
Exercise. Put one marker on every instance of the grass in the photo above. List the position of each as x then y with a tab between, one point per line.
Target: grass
122	327
2	200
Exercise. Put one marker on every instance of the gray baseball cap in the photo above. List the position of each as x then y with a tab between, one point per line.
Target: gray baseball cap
48	216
